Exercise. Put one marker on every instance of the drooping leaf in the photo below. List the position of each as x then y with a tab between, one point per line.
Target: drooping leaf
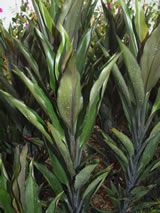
32	62
125	141
32	203
52	206
83	176
62	149
150	62
134	72
50	177
30	115
41	98
69	94
141	27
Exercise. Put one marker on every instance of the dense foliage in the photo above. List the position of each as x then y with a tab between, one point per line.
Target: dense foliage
63	69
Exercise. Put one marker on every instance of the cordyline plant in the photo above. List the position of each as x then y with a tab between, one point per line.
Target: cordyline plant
135	153
69	100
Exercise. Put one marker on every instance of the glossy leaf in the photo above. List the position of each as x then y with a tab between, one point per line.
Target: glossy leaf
125	141
150	62
50	177
83	50
134	72
64	46
6	202
52	206
30	115
50	59
46	17
28	57
32	203
62	149
141	27
155	129
83	176
69	94
103	77
128	21
41	98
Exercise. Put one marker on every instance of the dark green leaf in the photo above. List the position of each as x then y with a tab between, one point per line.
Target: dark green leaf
32	203
134	72
150	62
83	176
6	202
125	141
52	206
140	191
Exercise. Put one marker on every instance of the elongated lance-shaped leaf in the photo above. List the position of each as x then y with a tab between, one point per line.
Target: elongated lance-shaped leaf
103	77
62	149
150	62
52	206
6	202
50	59
88	122
128	21
141	27
115	149
41	98
83	50
32	203
30	115
125	141
69	99
58	168
28	57
83	176
40	19
155	129
51	178
65	9
119	79
71	23
140	191
149	151
134	72
22	174
64	46
156	105
47	18
95	184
